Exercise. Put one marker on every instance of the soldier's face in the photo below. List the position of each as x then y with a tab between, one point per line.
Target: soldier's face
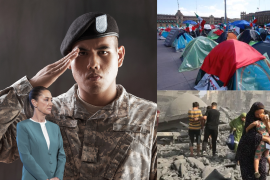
95	69
44	102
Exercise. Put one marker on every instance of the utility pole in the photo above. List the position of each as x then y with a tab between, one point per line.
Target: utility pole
226	16
196	6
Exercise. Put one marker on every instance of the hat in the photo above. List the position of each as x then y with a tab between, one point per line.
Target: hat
89	26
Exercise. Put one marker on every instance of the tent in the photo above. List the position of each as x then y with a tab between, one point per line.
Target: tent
165	34
235	65
263	34
182	41
212	35
267	38
268	25
189	22
226	36
249	36
195	52
171	36
263	47
242	24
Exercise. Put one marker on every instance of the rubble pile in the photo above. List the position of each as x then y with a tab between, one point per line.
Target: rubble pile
175	163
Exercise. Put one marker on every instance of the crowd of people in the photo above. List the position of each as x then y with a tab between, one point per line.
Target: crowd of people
251	137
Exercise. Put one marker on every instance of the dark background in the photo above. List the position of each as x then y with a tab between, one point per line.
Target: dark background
31	33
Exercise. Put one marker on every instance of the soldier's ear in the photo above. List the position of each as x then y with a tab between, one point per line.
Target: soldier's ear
121	55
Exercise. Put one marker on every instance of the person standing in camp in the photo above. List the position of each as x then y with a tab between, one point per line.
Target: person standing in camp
195	117
249	143
211	127
237	126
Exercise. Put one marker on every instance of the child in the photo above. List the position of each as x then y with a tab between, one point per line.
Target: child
261	127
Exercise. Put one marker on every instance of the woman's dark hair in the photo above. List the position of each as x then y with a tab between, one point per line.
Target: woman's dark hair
34	94
256	106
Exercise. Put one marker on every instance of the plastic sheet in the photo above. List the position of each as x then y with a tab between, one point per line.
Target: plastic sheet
195	52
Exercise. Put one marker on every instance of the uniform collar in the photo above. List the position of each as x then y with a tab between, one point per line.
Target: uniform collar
119	108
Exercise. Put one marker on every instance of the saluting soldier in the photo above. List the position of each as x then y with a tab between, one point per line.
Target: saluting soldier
107	132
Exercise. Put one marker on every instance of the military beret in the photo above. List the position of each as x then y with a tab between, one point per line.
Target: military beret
89	26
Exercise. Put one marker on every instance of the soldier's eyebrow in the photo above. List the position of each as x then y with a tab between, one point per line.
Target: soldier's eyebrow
102	47
83	49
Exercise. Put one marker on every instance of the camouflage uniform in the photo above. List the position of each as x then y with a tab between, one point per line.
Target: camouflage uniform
117	142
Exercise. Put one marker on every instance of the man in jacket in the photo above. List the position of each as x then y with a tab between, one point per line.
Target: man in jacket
107	132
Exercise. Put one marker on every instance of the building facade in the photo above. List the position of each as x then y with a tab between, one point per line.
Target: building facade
164	20
263	17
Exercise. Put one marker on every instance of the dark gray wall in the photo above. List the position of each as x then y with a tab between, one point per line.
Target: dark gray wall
31	32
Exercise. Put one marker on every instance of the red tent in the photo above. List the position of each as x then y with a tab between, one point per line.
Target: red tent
218	32
229	56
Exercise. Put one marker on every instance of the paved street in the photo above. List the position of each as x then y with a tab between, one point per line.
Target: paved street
168	63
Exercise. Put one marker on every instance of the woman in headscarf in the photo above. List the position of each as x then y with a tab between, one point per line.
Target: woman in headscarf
249	143
237	125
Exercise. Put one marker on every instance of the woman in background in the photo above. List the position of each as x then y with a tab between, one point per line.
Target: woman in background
39	141
248	145
237	125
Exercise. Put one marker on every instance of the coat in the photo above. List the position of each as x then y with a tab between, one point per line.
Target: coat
239	125
39	162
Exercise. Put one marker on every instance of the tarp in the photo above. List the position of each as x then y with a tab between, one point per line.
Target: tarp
189	22
268	25
195	52
249	35
229	56
226	36
241	24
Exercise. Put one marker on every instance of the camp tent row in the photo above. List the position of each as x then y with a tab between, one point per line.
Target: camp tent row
234	65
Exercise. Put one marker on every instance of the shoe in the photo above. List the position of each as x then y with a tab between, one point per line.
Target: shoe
257	175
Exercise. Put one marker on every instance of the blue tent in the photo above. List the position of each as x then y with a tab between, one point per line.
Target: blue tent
182	41
190	22
241	24
268	25
165	34
253	77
